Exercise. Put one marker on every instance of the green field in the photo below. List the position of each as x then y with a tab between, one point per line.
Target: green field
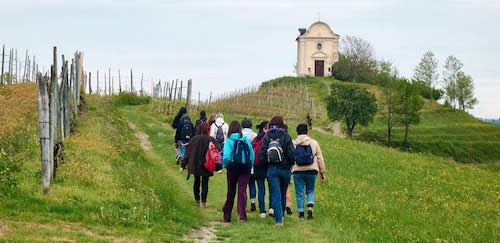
110	189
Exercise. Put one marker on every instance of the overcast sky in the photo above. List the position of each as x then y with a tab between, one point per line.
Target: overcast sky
224	45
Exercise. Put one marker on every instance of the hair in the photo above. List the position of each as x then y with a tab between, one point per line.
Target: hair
261	126
219	115
301	129
277	121
235	127
181	112
246	123
203	114
202	129
211	120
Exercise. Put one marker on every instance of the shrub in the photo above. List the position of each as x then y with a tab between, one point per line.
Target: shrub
124	98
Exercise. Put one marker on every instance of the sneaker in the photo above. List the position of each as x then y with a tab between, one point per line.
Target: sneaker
271	212
288	211
203	205
197	202
301	216
252	207
309	214
263	215
278	225
178	159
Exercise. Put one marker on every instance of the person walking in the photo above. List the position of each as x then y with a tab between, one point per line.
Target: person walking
195	159
238	159
308	162
203	118
258	174
278	151
219	129
184	131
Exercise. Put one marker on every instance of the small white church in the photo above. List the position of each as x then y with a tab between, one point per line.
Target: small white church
317	50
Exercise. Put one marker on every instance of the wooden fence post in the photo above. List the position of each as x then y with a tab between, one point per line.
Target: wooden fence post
110	91
67	101
189	94
105	85
119	81
131	82
17	75
44	124
142	88
3	61
97	82
54	113
180	92
90	83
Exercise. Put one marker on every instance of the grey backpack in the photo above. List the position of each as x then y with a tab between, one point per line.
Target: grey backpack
274	152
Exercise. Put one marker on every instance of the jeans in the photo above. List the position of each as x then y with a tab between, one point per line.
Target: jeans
204	188
301	181
262	192
279	179
181	149
241	205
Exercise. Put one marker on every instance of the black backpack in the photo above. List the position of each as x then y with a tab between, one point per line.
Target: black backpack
274	151
241	152
186	131
219	134
304	155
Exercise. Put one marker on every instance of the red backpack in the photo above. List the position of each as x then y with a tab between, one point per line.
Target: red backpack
256	146
212	157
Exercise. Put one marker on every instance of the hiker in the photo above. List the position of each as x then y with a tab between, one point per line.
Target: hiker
183	133
247	131
210	121
202	149
308	162
238	159
278	151
203	118
219	129
258	174
309	120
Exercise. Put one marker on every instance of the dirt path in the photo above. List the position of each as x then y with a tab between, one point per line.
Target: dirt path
337	130
143	137
203	234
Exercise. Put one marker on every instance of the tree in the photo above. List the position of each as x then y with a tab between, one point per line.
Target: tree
426	72
452	67
351	104
356	61
465	91
408	107
386	77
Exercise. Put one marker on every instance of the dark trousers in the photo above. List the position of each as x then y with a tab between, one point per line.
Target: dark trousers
262	191
279	179
233	180
204	188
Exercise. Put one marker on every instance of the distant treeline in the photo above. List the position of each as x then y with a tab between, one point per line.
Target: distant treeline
494	121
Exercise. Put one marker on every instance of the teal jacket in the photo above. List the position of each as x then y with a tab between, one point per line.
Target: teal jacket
228	149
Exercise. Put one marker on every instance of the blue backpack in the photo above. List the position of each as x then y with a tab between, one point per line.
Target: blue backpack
304	155
241	152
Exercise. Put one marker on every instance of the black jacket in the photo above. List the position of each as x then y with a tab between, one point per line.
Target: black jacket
180	123
286	144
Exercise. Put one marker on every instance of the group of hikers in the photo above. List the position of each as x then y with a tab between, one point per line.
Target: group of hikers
210	145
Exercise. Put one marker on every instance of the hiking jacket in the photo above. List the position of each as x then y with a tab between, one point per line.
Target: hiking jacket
194	158
259	171
219	122
319	164
286	144
184	119
227	158
247	132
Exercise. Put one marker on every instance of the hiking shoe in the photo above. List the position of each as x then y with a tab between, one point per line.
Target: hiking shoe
198	202
203	205
263	215
252	207
301	216
178	159
279	225
288	211
271	212
309	214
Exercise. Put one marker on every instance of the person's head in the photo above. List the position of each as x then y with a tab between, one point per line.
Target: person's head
203	114
182	111
202	129
235	127
219	115
211	119
262	127
276	121
246	123
301	129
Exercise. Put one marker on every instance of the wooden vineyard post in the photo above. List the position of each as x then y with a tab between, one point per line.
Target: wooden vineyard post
171	89
119	81
67	101
97	81
180	92
175	91
189	94
142	88
105	85
54	112
76	81
43	123
90	83
110	91
17	74
3	62
210	99
131	82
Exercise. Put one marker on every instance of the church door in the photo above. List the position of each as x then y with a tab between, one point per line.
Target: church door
319	68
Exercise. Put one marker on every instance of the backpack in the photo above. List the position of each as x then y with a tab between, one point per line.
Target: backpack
241	152
186	131
211	158
256	146
275	152
219	134
304	155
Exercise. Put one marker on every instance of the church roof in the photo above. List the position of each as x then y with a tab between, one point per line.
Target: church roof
313	25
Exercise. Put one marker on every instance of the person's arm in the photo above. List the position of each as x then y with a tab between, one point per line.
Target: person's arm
212	130
252	154
263	150
226	158
290	150
321	162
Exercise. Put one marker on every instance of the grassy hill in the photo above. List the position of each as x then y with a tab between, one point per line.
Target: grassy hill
443	131
111	189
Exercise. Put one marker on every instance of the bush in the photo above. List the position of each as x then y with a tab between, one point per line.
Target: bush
124	98
423	90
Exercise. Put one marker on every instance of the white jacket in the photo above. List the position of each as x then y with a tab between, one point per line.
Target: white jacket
219	122
247	132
